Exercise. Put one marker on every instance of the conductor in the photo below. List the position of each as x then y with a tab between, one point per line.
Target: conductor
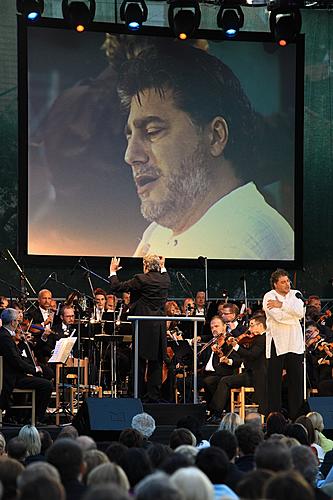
149	291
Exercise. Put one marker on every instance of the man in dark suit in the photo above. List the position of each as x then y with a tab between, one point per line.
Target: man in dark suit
149	291
254	374
43	314
18	373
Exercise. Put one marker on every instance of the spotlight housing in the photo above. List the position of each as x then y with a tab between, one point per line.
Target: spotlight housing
230	20
187	18
78	15
32	10
133	13
285	25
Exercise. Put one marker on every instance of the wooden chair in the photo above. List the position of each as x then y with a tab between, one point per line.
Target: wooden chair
30	406
239	403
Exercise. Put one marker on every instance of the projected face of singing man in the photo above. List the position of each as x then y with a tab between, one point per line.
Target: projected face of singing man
178	167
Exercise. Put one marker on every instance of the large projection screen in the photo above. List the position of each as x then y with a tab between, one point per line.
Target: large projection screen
133	144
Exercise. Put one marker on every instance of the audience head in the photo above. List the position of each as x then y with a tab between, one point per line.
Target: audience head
192	424
275	424
144	423
273	455
10	469
69	432
188	450
45	439
35	471
305	462
288	485
86	443
193	484
108	473
248	438
318	424
157	485
106	492
67	457
93	458
299	432
30	436
181	436
131	438
225	440
136	465
41	488
17	449
157	453
116	451
253	419
214	462
2	444
230	422
307	423
174	462
251	486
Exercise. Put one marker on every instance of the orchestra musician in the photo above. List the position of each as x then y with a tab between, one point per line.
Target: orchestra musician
149	291
43	315
229	314
18	373
217	361
254	373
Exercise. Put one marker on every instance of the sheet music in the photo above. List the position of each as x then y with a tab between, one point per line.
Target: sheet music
62	350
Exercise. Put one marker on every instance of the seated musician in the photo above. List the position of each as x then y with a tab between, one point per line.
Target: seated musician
43	315
47	341
18	373
319	356
229	313
100	303
217	361
254	374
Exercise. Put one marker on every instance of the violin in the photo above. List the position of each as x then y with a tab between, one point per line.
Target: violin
245	339
27	326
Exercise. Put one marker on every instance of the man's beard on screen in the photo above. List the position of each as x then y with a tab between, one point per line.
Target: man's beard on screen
183	190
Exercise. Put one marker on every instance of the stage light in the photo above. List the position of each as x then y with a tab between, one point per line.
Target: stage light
133	14
230	20
78	15
30	9
285	25
186	19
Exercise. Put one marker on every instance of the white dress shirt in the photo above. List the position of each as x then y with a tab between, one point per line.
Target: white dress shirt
283	325
252	229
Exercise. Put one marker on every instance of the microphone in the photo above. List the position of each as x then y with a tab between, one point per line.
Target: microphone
76	265
298	295
47	280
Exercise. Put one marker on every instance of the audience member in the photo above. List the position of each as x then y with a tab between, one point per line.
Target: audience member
181	436
157	453
41	487
275	424
248	438
30	436
68	432
10	469
157	485
228	443
214	463
92	459
273	455
253	419
45	439
108	473
189	451
251	486
131	438
2	444
230	422
136	465
106	492
193	425
288	485
116	451
193	484
318	424
86	443
67	457
35	471
17	449
299	432
174	462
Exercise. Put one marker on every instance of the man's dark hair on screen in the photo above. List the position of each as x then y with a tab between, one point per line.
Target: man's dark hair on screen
202	86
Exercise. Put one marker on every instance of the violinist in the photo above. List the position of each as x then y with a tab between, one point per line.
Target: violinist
252	354
218	360
319	355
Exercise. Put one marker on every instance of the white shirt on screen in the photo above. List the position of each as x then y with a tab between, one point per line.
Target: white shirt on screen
241	225
283	325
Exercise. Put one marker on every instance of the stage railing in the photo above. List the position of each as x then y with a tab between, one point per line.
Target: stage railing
193	319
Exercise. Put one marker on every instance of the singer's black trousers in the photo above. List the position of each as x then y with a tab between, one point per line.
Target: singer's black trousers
293	364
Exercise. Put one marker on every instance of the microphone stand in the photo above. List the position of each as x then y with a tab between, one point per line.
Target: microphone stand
23	277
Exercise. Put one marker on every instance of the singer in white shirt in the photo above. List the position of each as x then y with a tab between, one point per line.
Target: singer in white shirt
284	343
